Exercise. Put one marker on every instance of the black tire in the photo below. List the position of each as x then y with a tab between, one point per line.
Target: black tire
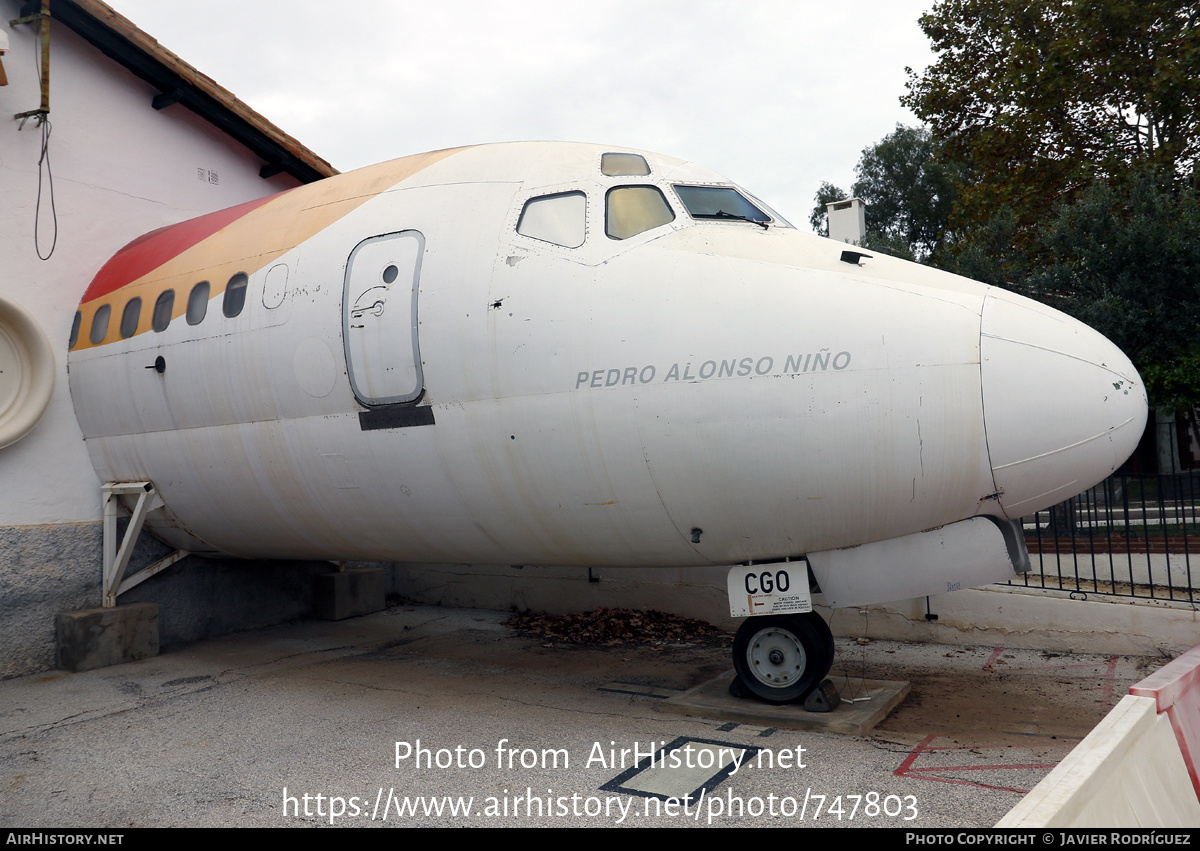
781	658
826	638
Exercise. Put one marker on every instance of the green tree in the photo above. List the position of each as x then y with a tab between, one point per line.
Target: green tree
1040	98
1126	260
909	192
826	194
1078	125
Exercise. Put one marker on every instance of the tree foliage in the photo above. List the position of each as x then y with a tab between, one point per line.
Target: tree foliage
1078	126
909	192
826	194
1040	98
1126	260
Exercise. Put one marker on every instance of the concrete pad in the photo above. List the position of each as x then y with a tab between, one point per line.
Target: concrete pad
872	701
224	726
96	638
349	593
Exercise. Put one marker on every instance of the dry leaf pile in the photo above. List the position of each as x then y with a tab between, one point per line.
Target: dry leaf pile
612	627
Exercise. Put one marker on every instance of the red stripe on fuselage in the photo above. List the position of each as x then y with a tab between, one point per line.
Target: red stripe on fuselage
148	252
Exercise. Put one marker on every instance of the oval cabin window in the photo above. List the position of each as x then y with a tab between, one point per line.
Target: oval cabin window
130	317
235	295
100	325
197	305
162	311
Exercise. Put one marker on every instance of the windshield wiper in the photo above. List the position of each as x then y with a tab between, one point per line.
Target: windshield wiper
721	214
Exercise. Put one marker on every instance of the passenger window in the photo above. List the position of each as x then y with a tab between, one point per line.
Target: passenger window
634	209
620	165
559	219
100	325
197	303
75	330
162	311
130	317
235	295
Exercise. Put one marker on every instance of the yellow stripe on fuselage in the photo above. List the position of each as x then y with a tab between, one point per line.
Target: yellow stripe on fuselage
252	242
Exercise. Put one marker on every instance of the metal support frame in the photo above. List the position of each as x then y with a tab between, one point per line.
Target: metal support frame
116	561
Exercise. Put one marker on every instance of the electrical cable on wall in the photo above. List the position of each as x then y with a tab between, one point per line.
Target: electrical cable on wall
37	210
42	117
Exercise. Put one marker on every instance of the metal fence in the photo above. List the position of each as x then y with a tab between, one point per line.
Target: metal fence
1130	535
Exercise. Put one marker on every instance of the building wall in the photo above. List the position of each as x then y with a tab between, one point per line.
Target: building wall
120	168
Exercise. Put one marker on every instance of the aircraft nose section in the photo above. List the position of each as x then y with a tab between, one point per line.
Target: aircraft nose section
1063	407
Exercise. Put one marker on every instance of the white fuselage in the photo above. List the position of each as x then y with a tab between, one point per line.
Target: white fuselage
593	404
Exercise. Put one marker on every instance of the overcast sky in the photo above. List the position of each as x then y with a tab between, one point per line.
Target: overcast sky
777	95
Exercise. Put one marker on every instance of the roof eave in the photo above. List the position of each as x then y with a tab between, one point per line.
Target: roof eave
178	82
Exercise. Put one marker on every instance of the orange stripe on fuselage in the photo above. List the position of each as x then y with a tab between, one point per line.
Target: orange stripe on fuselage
217	246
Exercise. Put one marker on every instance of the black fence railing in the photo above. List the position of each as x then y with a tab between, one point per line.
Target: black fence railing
1130	535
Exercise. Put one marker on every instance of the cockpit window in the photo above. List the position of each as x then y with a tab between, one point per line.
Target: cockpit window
559	219
630	210
621	165
720	202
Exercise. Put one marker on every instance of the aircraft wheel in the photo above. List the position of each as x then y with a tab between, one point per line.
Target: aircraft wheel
826	633
781	658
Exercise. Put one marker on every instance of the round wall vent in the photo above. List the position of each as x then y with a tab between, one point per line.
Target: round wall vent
26	373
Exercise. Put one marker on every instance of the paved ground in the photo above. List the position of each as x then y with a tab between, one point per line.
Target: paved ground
238	731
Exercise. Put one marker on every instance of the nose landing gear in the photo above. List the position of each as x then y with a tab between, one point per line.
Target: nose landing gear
782	658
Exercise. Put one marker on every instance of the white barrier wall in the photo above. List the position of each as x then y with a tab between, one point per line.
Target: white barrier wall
1136	769
1128	772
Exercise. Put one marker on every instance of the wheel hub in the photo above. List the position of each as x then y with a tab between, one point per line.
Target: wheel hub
776	657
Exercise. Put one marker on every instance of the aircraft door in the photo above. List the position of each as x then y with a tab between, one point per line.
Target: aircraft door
379	318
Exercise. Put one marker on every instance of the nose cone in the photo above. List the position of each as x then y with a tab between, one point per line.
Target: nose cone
1063	407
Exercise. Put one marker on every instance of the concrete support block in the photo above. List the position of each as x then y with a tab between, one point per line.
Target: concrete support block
96	638
349	593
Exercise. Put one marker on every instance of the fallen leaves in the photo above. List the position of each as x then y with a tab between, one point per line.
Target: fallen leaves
612	627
